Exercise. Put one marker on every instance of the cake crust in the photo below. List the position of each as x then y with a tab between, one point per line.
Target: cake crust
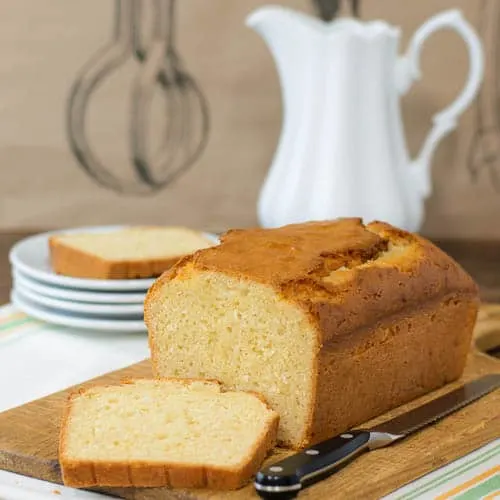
393	314
344	274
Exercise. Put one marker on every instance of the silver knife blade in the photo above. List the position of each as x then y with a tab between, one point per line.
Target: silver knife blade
436	409
298	471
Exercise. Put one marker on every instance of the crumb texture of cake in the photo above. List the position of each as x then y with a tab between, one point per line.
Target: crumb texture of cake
134	252
332	322
175	433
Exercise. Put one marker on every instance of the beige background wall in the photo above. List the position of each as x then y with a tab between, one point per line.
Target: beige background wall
43	44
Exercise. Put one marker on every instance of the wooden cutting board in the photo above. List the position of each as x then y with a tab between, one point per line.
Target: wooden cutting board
29	435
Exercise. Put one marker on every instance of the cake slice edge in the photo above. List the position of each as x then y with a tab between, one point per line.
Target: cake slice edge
69	260
85	473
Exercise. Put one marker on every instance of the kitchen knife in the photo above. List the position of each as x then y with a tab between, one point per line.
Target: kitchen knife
287	477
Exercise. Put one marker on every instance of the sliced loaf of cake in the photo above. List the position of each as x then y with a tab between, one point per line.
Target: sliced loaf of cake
171	432
333	322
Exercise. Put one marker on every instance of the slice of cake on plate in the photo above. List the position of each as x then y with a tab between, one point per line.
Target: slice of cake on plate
134	252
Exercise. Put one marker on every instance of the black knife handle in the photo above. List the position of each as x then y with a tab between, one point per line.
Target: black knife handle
284	479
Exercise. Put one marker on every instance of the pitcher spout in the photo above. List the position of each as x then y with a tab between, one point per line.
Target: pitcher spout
268	19
285	32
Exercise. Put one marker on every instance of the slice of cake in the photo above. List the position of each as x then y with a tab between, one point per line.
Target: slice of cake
171	432
135	252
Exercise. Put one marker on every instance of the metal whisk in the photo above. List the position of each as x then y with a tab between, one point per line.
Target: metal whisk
186	111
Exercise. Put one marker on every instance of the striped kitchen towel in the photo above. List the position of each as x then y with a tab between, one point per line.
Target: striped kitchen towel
38	359
473	477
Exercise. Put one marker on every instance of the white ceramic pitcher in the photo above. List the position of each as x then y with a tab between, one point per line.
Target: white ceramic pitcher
342	150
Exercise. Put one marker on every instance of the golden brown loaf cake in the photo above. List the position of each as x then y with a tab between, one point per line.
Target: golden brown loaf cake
332	322
170	432
135	252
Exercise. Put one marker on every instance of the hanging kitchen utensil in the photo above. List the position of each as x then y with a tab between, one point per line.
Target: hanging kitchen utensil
162	28
327	10
187	131
183	142
93	73
484	153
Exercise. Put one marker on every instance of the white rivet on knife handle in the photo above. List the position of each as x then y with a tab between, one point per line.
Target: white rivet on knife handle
276	468
312	452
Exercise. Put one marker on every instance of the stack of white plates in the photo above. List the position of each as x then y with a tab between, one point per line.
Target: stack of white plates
105	305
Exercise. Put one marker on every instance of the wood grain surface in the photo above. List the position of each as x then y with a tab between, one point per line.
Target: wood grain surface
29	435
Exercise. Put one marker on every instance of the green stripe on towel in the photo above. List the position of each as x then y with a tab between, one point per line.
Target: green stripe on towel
447	476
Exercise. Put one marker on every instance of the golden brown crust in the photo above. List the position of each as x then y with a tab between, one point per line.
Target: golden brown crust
62	436
344	274
70	261
134	473
355	282
396	360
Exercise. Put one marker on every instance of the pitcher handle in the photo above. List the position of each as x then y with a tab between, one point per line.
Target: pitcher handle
445	121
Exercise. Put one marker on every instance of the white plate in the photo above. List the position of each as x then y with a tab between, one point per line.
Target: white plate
64	293
31	257
74	320
132	311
